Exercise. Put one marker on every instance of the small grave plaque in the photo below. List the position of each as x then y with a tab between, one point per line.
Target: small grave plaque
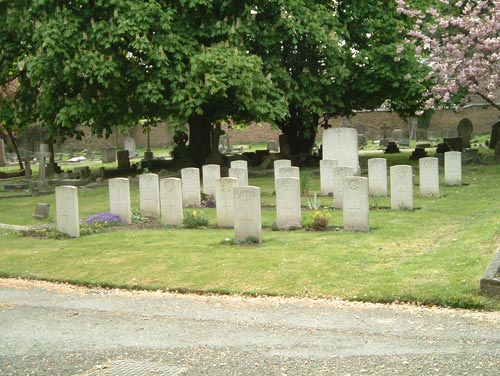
41	211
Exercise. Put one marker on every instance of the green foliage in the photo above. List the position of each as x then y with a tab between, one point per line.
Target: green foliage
318	220
305	183
138	218
195	219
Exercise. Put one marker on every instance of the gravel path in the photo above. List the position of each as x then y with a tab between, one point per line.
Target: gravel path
48	329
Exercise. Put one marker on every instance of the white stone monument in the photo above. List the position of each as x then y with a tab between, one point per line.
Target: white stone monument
429	176
247	214
377	177
326	175
171	212
240	163
224	201
149	195
355	204
119	199
453	168
67	216
342	144
401	187
278	164
210	174
129	144
191	195
339	173
240	174
288	210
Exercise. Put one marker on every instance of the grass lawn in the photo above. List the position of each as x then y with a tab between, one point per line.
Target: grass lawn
435	254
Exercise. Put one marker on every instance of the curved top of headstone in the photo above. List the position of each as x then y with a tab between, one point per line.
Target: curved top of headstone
465	124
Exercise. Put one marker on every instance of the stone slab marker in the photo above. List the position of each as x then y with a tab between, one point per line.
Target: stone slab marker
279	164
326	175
429	176
289	172
210	173
67	216
239	164
339	173
401	187
171	212
3	159
149	195
247	213
224	201
190	187
377	177
240	174
119	199
355	204
288	210
342	144
453	168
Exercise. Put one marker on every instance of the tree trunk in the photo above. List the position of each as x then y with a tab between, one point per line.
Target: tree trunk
300	130
14	143
200	129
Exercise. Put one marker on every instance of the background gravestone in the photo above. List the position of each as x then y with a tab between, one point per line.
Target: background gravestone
326	175
377	177
240	163
495	135
342	144
280	163
129	144
464	129
339	173
210	173
3	159
240	174
41	211
289	172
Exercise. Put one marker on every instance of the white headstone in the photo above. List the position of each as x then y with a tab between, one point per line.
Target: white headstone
342	144
453	168
401	187
339	173
67	216
355	206
288	210
279	164
191	186
247	213
240	174
239	164
119	199
3	159
326	175
210	174
289	172
129	144
224	201
149	195
429	176
171	212
377	177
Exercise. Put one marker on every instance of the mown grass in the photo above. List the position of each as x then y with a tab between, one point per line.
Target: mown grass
435	254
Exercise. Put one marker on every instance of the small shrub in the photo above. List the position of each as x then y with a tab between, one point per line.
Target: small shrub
105	218
313	203
305	183
318	220
138	218
195	220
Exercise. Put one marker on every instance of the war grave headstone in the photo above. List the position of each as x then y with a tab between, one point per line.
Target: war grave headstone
3	158
288	210
279	164
289	172
429	176
342	144
240	163
41	211
224	201
339	173
326	175
191	195
240	174
119	199
464	130
149	195
377	177
355	204
210	174
67	216
453	168
171	202
129	144
401	187
247	214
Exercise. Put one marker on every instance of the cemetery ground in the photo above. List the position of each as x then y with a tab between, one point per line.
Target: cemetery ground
433	255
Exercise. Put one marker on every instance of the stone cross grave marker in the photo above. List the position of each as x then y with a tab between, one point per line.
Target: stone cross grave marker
239	164
377	177
224	201
247	214
67	216
278	164
342	144
210	174
191	196
119	199
339	173
171	212
326	175
401	187
288	210
453	168
429	176
355	204
240	174
149	195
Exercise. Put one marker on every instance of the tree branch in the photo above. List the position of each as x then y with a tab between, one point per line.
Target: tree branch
490	102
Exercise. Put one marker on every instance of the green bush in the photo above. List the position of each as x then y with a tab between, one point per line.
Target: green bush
195	219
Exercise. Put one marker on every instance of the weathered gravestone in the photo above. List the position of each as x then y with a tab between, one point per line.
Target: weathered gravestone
67	216
41	211
288	210
464	129
341	144
453	168
247	214
455	143
429	176
149	195
421	134
377	177
326	175
108	154
278	164
123	159
240	174
494	136
339	173
289	172
210	174
418	153
129	144
273	146
171	212
191	195
355	204
3	159
397	135
391	148
401	187
224	201
240	163
490	282
119	199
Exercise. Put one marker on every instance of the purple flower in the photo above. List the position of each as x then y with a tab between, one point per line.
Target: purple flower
104	217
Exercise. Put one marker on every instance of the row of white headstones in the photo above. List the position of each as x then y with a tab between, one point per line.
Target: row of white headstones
238	205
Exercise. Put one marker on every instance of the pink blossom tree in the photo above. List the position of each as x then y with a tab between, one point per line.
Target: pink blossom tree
459	42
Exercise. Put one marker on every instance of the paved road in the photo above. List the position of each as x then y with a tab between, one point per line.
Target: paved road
62	330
